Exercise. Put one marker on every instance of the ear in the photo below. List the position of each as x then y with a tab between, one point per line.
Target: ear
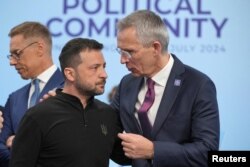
41	48
69	74
157	47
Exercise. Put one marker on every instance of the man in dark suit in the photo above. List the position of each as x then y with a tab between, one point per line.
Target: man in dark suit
31	55
181	121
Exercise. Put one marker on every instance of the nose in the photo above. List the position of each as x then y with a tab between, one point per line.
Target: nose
13	61
104	74
124	59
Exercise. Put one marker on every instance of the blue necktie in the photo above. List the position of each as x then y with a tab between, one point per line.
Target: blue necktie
35	95
142	112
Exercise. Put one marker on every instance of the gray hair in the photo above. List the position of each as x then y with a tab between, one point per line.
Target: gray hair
149	27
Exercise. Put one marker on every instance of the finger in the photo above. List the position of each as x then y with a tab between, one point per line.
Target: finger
127	150
127	155
127	145
8	142
1	121
125	137
44	97
52	92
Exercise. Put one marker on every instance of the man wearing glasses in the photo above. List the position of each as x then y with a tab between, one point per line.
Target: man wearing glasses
169	110
31	55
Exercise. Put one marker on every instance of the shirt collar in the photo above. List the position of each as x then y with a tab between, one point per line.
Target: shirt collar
162	76
46	75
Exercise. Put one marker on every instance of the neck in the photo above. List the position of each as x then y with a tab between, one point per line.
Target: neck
160	64
74	92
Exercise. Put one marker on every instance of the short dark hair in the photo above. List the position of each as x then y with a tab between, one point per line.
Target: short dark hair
70	54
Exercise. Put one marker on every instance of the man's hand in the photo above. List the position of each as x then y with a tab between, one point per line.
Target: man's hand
1	119
10	141
49	94
136	146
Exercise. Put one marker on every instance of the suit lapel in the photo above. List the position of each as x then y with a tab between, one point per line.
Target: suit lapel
173	86
131	94
134	94
20	105
54	82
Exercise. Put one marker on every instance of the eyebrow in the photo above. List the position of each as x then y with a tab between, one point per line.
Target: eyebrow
14	51
98	64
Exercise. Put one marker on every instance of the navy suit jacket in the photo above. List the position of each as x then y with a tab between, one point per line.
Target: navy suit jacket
187	121
15	108
1	108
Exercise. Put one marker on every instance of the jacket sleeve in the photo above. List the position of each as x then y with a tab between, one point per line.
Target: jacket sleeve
204	134
7	131
118	155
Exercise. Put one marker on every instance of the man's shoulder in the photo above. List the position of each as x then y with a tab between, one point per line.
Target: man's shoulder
21	90
57	77
129	78
186	70
104	107
102	104
44	108
194	74
1	108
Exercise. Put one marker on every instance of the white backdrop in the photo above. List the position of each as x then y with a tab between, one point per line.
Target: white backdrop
209	35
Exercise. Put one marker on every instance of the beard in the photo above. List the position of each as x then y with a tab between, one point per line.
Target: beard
87	90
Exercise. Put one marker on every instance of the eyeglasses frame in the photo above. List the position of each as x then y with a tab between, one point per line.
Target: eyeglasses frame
17	55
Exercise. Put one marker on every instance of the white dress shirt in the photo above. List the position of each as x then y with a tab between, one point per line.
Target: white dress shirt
44	78
160	80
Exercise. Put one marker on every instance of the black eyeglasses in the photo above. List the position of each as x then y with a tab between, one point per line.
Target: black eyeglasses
18	53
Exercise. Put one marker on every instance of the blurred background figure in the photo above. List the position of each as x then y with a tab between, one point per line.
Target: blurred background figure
111	94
